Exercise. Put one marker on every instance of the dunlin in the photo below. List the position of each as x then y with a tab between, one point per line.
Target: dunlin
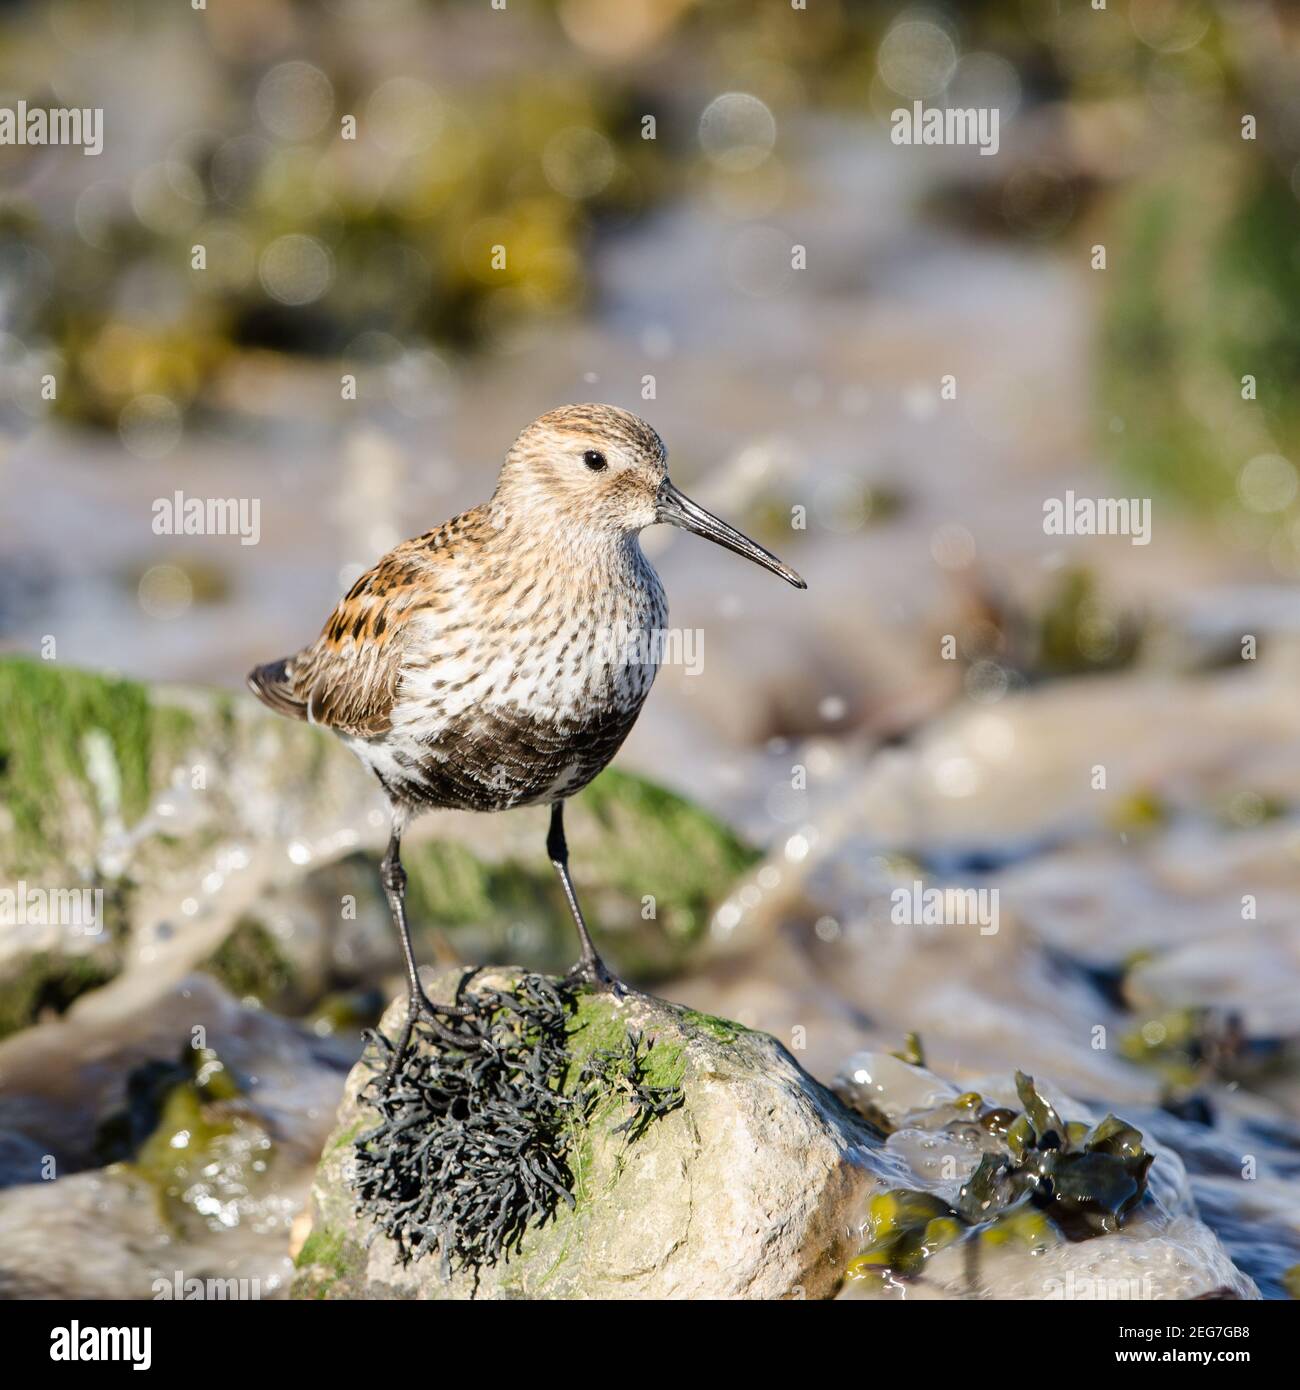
501	659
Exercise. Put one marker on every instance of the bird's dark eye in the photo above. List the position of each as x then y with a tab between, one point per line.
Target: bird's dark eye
595	460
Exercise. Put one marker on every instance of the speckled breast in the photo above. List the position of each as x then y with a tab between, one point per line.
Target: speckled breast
525	705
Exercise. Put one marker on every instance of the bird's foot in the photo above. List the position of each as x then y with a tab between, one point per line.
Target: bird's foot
595	974
420	1007
424	1007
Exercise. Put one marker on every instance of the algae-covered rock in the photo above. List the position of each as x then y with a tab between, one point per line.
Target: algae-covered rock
744	1188
179	807
224	838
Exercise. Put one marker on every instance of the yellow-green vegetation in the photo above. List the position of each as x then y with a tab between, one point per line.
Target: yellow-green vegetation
596	1028
180	1129
1079	633
52	717
53	980
912	1051
320	1247
1138	813
330	1257
250	963
1193	1045
450	885
1171	1044
648	843
76	750
347	1010
904	1228
1040	1181
1244	809
1202	297
527	161
725	1030
660	844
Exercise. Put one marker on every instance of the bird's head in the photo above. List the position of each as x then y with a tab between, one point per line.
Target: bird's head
604	470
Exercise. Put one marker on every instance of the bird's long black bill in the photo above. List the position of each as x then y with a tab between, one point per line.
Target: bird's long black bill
678	510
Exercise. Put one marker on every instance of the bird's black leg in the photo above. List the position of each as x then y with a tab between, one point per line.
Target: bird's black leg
393	877
590	967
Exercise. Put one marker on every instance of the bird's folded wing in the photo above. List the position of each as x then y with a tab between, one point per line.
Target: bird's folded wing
347	679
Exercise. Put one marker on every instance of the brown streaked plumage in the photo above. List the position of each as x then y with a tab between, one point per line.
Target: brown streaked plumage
501	659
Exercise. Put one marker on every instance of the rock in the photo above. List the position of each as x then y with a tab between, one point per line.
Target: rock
104	1235
748	1190
1147	951
225	838
201	1180
183	807
237	855
60	1082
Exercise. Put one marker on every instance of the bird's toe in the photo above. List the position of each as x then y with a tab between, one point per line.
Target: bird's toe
596	975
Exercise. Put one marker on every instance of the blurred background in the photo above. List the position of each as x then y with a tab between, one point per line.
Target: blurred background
833	744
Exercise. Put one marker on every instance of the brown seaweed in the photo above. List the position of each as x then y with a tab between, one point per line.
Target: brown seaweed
1055	1181
473	1141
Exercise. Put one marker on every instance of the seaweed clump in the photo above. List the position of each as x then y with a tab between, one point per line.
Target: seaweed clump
1050	1181
473	1143
1085	1179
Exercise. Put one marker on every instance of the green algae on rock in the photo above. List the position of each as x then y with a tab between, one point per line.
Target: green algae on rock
48	779
132	790
1078	634
739	1184
199	806
629	838
151	1091
250	963
1191	1045
52	980
78	755
651	837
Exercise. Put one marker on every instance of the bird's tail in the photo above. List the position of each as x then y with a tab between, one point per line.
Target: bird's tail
273	685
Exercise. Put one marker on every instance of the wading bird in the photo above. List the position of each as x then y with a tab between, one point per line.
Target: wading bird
501	659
